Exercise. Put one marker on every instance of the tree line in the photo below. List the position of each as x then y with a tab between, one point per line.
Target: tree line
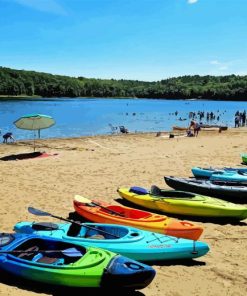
30	83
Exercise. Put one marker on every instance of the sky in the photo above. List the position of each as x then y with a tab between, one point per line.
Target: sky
146	40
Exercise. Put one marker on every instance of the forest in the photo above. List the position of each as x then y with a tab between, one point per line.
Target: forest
31	83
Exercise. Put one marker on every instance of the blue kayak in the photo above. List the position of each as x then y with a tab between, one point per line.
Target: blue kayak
138	244
57	262
229	176
205	173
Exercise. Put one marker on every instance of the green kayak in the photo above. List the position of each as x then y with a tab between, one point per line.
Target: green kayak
53	261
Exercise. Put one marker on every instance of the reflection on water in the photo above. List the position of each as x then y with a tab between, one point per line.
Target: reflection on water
92	116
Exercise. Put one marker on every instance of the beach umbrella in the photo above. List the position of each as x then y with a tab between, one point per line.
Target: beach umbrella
34	122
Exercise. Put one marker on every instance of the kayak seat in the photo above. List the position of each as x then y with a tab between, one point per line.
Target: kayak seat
74	230
50	260
155	190
41	258
138	190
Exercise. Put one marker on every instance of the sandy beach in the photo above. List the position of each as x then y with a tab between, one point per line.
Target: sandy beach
95	167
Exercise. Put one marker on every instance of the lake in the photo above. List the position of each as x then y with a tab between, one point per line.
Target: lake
91	116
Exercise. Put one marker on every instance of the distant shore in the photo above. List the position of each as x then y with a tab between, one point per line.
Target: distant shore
19	97
24	97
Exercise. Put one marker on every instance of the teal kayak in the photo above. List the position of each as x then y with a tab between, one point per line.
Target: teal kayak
229	176
206	173
138	244
54	261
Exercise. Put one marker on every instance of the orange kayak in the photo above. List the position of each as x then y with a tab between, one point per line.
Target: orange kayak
102	212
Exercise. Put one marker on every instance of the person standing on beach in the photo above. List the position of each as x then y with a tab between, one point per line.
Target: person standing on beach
237	120
243	118
195	126
8	136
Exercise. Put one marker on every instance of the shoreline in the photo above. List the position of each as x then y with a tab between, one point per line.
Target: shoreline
155	134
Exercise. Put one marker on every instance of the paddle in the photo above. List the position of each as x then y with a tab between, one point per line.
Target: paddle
85	200
42	213
71	252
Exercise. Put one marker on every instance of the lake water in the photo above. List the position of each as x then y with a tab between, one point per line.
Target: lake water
91	116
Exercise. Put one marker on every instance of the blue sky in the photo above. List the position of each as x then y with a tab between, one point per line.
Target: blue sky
125	39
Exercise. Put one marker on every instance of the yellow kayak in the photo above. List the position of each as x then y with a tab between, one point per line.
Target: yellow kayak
183	203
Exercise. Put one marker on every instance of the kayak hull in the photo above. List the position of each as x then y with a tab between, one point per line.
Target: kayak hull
206	173
131	242
229	176
44	259
230	191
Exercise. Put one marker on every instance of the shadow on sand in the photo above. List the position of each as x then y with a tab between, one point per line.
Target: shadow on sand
29	155
41	288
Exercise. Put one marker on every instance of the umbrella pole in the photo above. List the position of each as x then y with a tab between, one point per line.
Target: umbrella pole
34	142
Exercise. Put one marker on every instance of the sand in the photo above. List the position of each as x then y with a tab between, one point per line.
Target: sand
95	167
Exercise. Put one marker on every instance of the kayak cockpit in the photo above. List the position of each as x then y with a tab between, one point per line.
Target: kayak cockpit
97	231
48	252
130	213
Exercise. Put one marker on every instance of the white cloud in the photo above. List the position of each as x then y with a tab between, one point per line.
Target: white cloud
50	6
192	1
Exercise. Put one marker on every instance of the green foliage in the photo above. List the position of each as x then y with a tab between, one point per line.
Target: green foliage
30	83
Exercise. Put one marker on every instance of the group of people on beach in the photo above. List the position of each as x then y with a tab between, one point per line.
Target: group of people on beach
240	120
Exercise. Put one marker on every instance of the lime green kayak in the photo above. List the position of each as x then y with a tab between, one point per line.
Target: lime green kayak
183	203
244	158
57	262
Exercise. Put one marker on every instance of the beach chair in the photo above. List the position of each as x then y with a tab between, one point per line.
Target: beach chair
123	129
114	129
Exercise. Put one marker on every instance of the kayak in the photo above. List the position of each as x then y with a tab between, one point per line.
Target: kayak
216	126
244	158
138	244
234	192
183	203
103	212
205	173
235	176
54	261
206	127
